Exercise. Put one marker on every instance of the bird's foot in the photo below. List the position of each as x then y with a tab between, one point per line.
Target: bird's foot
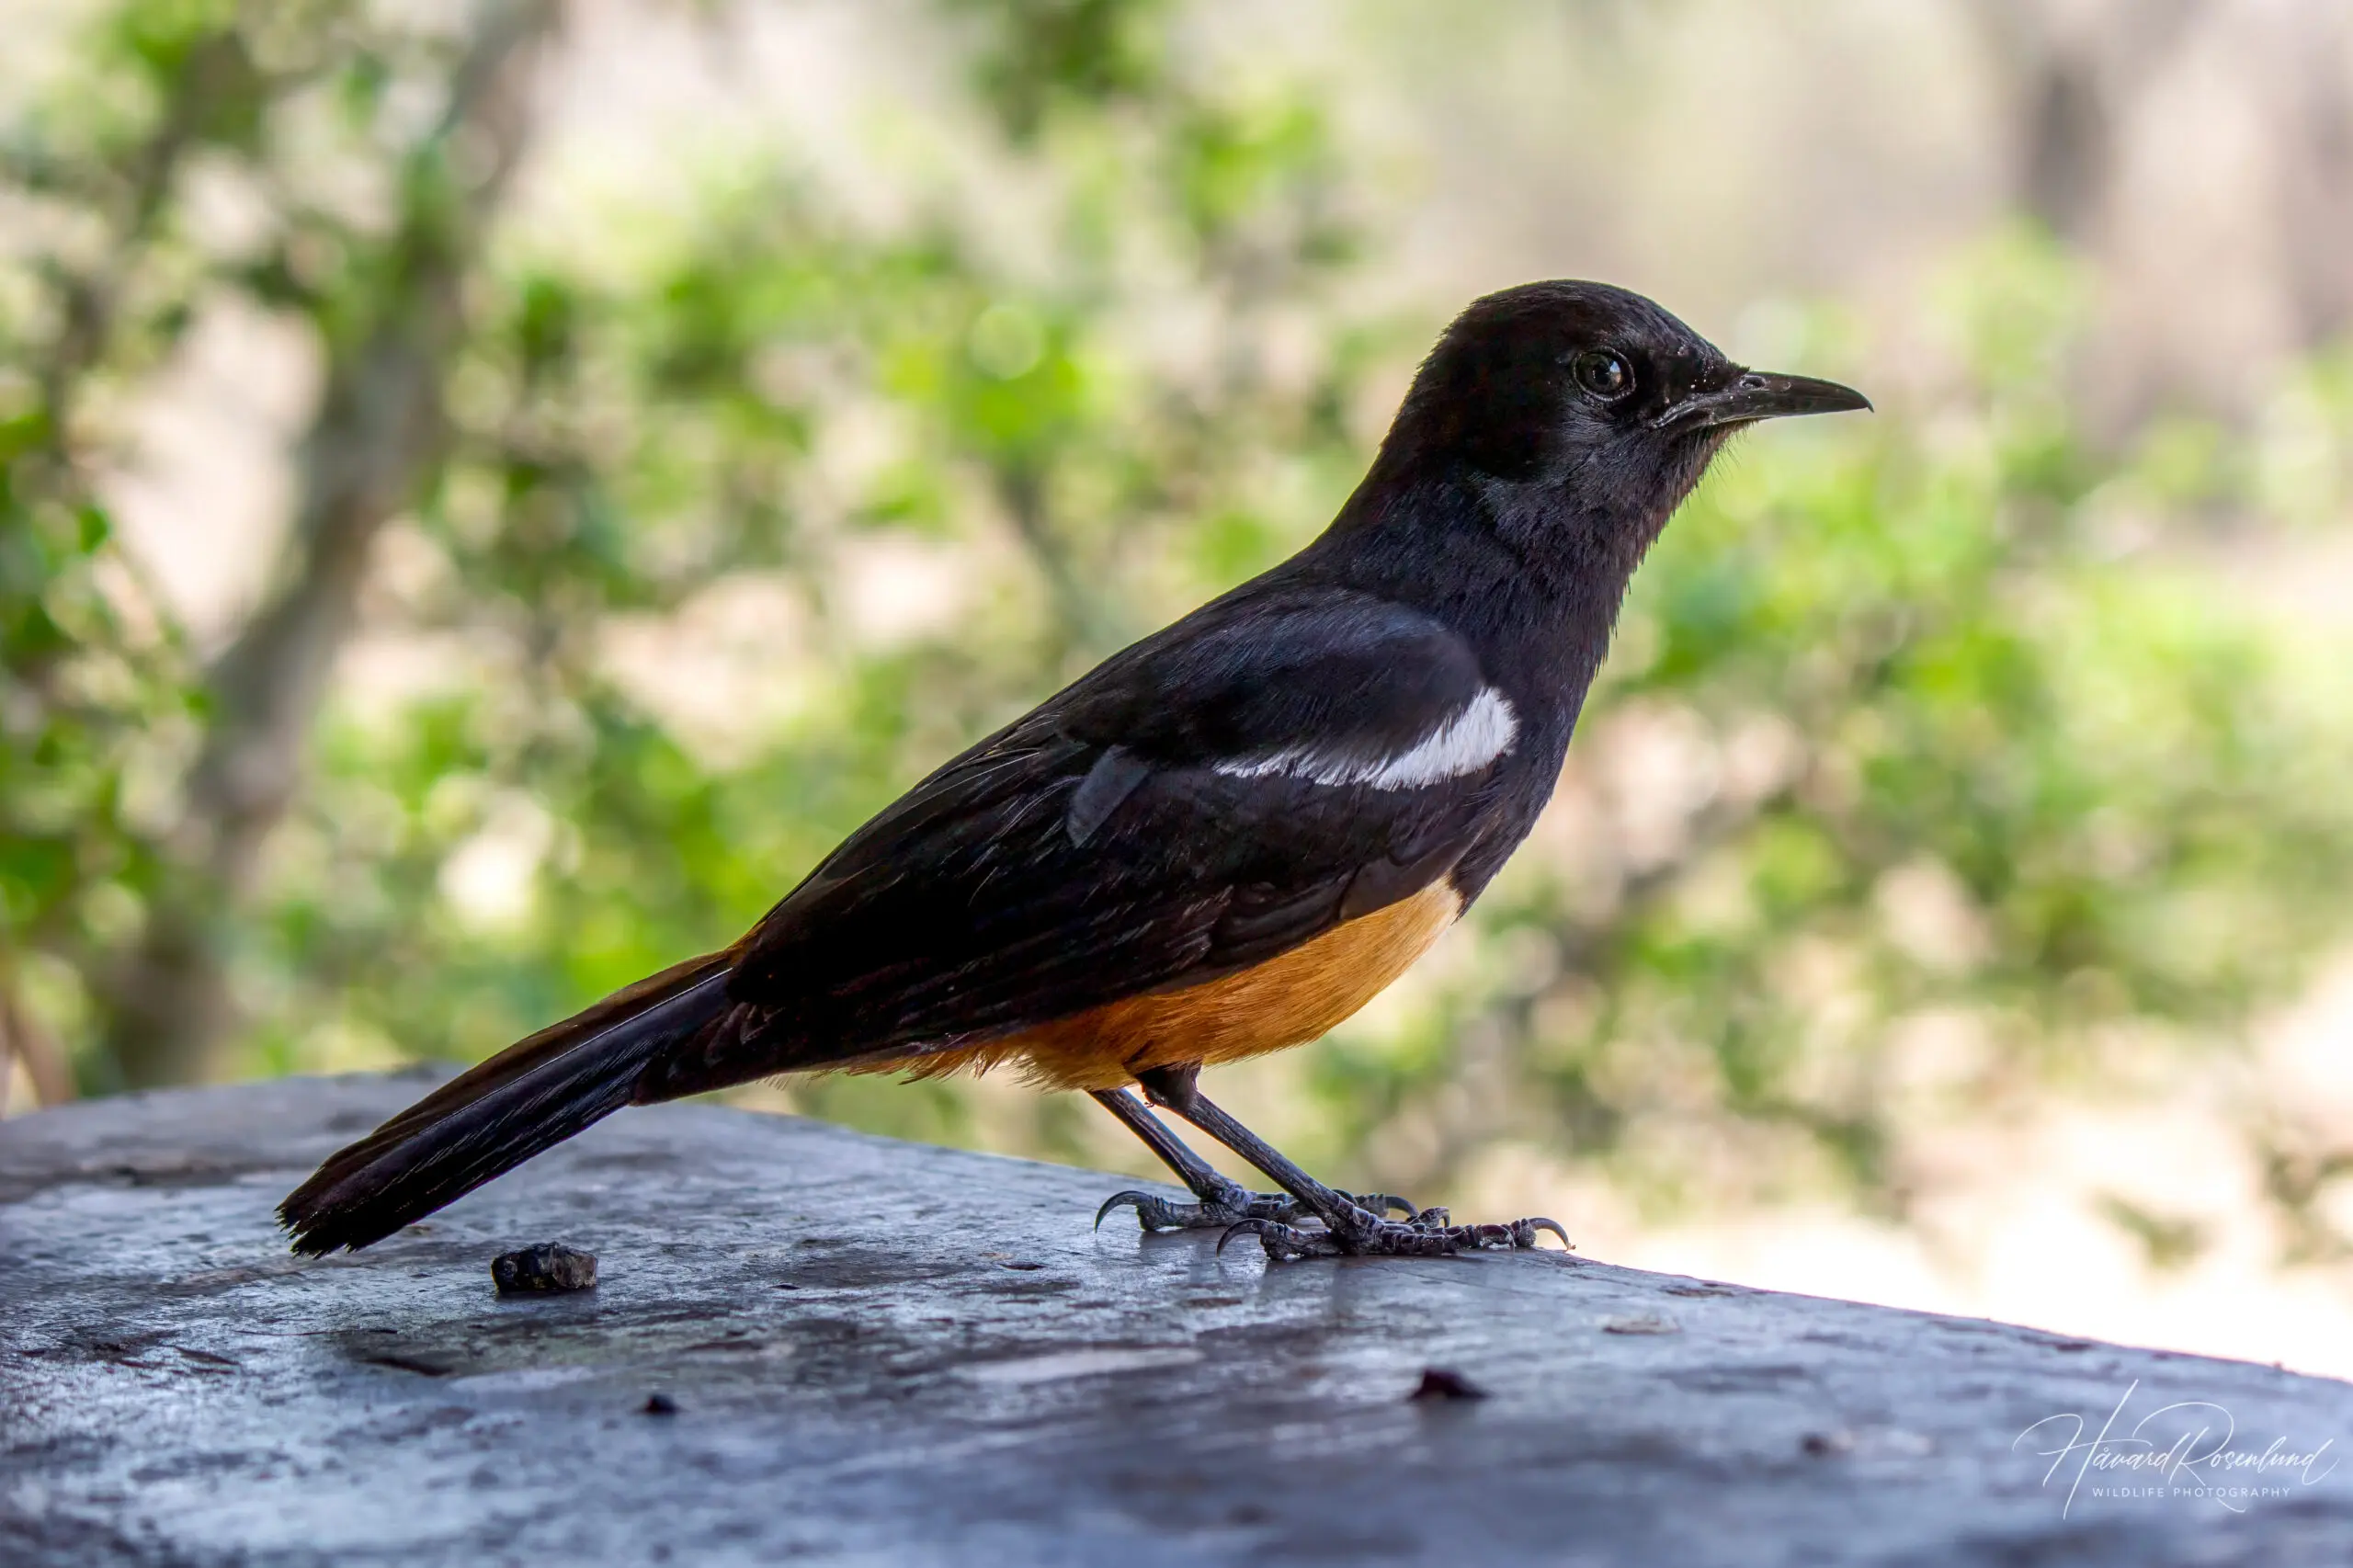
1223	1207
1361	1232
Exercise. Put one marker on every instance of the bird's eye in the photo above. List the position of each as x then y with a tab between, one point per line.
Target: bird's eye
1603	372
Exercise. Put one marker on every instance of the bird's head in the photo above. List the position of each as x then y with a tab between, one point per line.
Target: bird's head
1581	405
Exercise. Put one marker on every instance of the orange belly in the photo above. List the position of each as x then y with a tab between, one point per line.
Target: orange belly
1286	1001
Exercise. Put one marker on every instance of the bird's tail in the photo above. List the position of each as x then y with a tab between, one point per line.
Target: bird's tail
529	1098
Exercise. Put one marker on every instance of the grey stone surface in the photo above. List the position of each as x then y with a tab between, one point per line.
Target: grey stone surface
856	1374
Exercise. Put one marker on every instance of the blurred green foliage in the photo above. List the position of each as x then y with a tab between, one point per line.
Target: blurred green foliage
1924	766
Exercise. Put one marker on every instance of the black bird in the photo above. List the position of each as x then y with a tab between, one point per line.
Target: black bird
1222	841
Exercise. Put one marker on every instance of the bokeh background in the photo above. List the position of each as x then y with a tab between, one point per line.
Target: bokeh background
489	492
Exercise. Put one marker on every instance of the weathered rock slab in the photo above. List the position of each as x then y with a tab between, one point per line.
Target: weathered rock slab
797	1351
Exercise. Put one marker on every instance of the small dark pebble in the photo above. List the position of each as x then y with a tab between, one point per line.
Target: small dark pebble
549	1267
661	1404
1439	1383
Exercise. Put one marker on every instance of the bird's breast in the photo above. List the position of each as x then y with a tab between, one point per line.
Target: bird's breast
1294	998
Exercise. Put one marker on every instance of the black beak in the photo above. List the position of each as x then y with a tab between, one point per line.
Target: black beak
1757	395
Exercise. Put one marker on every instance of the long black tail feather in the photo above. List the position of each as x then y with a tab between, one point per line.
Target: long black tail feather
528	1098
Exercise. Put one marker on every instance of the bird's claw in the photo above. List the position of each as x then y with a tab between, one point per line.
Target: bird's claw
1366	1234
1381	1203
1540	1223
1283	1242
1238	1206
1148	1208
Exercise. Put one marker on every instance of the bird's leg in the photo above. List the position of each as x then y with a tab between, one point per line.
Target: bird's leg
1223	1202
1350	1227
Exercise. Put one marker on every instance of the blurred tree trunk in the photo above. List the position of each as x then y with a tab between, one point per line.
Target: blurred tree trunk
2314	57
2073	74
379	434
23	1040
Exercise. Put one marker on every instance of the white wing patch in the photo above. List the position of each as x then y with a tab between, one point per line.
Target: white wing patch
1473	738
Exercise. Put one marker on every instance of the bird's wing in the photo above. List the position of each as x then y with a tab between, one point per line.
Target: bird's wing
1199	803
